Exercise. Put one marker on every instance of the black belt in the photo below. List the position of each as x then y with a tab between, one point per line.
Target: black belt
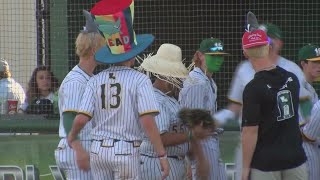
110	142
174	157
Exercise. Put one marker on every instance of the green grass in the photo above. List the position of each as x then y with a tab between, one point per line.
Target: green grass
228	143
38	150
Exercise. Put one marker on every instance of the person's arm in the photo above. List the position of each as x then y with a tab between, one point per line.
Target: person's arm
70	96
311	131
230	113
249	140
203	166
82	156
305	107
152	132
250	125
79	122
176	134
172	139
147	109
233	109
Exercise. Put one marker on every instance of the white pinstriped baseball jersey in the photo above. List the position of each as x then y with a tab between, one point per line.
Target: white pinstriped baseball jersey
167	121
312	128
312	131
70	95
201	92
311	92
115	98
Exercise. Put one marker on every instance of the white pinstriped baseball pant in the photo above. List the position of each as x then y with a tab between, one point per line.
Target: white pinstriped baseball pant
151	169
115	160
66	161
313	160
211	150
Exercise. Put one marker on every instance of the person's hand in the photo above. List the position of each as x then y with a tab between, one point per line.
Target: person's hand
201	132
70	139
165	167
245	174
189	171
83	159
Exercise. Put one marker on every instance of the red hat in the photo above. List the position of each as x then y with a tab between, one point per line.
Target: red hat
254	39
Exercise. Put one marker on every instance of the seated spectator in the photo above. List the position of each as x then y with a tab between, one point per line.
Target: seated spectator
9	88
42	95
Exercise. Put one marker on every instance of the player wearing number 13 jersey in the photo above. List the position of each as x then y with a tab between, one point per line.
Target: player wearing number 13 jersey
119	100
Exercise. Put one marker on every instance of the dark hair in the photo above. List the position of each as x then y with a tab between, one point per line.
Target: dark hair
33	90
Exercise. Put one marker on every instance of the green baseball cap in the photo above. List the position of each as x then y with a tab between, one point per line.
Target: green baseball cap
272	30
309	52
211	46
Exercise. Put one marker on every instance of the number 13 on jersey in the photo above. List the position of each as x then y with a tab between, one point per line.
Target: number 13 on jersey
114	100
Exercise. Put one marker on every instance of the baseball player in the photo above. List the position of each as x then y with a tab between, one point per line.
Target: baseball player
309	57
168	69
311	134
270	116
119	100
200	91
75	162
245	73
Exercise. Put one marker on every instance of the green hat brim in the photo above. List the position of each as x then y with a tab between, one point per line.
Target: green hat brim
216	53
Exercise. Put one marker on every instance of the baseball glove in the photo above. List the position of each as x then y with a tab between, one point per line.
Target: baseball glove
194	117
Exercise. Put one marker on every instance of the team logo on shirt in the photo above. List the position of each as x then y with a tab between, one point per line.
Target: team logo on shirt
286	83
285	105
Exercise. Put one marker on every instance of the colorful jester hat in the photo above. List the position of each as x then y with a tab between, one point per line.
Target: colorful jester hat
114	19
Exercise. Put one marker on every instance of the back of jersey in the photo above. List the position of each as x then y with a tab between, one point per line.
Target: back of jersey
116	98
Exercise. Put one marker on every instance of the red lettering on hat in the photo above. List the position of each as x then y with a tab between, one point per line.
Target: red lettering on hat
110	42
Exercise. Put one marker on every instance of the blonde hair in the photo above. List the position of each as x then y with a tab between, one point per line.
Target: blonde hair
5	74
85	42
257	52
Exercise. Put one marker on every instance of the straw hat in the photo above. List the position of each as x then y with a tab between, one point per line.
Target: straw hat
167	64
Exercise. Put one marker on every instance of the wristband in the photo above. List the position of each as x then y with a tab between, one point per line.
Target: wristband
163	157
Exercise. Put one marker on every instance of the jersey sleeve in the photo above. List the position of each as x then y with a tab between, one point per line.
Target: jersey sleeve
72	94
146	98
163	119
312	129
236	87
193	97
88	100
251	106
296	70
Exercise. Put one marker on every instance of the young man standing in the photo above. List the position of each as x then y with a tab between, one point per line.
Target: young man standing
270	116
74	162
168	69
119	101
309	57
200	91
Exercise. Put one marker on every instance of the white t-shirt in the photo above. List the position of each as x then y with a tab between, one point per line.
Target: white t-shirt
10	89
